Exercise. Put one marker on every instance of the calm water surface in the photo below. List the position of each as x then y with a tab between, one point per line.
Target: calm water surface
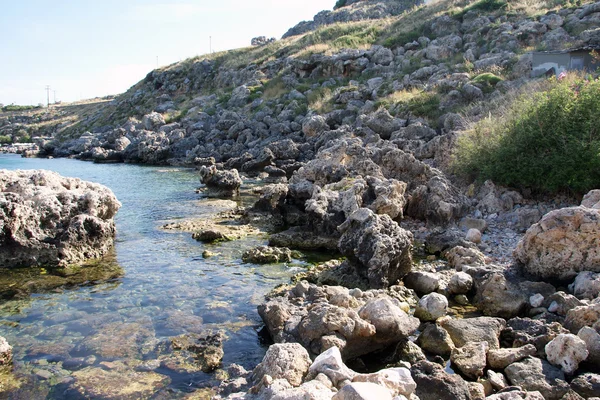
168	288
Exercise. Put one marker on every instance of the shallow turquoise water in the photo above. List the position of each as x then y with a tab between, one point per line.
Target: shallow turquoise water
168	288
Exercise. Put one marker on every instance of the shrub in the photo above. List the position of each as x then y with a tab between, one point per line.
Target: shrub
483	6
339	4
548	141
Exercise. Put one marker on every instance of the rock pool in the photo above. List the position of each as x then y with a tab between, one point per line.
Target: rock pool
166	289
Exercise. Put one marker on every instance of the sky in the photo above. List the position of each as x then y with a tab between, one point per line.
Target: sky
91	48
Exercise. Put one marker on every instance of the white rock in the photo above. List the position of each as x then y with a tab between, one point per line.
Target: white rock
431	307
331	365
289	361
566	351
397	380
460	283
473	235
536	300
591	199
592	341
497	379
5	354
362	391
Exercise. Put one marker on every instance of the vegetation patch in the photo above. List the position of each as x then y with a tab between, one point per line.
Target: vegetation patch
548	141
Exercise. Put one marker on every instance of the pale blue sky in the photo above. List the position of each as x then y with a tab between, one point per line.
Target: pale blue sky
89	48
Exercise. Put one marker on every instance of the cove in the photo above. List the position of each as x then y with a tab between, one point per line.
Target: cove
167	288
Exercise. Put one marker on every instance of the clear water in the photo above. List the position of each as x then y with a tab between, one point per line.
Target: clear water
168	288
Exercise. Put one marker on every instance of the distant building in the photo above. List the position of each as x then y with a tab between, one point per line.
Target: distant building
555	62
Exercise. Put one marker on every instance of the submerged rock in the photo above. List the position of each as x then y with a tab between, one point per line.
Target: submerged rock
48	220
267	255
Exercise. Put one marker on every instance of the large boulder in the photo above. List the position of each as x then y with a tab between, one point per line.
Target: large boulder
354	321
289	361
49	220
562	244
534	374
220	183
378	248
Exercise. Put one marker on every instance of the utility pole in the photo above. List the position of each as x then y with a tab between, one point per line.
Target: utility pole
48	95
156	62
210	44
54	96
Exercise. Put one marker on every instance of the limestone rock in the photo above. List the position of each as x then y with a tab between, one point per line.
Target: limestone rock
433	383
460	283
153	121
314	125
498	297
49	220
289	361
591	199
473	235
587	384
562	244
431	307
6	356
591	337
397	380
362	391
471	359
502	358
331	365
586	285
422	282
377	246
220	183
459	256
533	374
579	317
436	340
267	255
566	351
463	331
497	380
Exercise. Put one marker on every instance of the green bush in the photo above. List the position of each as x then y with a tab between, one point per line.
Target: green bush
5	139
483	6
547	141
339	4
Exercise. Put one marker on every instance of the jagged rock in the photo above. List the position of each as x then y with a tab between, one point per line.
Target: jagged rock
436	340
382	123
397	380
289	361
220	183
587	384
314	125
562	244
6	356
586	285
460	256
497	380
304	239
498	297
206	348
153	121
566	351
515	393
320	318
267	255
579	317
471	359
591	199
362	391
591	337
431	307
460	283
378	248
561	302
422	282
49	220
433	383
533	374
523	331
502	358
463	331
331	365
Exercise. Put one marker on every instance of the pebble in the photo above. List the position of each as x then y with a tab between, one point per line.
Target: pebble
536	300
